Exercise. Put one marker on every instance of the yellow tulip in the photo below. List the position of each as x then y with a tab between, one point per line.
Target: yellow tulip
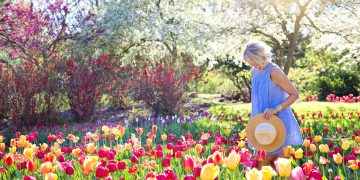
28	153
105	129
337	158
299	153
89	165
254	174
128	146
1	139
76	152
345	145
284	167
318	138
148	141
22	138
306	143
232	160
163	137
241	144
267	172
12	150
313	147
51	176
227	131
90	148
43	147
242	134
324	148
209	172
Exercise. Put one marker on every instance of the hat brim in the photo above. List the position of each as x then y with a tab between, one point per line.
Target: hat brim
280	132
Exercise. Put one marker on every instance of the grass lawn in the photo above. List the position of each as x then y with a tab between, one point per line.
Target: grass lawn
301	107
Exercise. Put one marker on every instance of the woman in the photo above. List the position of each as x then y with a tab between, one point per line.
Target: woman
272	94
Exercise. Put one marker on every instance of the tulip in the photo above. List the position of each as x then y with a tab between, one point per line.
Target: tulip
154	128
51	176
89	165
306	143
287	151
315	174
188	163
345	145
283	166
242	134
357	139
254	174
297	174
1	139
267	172
217	157
111	167
261	154
70	170
163	137
31	166
148	141
232	160
198	148
209	172
318	138
323	160
46	168
27	177
76	152
2	147
324	148
227	131
121	165
308	167
90	148
9	159
140	131
313	147
241	144
101	172
337	158
189	177
299	153
354	164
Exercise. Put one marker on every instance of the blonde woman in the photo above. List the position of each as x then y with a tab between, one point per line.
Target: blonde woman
272	94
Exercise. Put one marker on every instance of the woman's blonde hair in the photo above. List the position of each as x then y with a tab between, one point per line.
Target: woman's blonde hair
257	52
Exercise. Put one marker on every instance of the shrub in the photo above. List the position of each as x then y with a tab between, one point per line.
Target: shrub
86	81
161	84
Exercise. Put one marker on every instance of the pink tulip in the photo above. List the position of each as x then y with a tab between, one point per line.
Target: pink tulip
297	174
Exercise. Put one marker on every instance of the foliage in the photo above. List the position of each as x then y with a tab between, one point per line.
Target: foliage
161	84
304	80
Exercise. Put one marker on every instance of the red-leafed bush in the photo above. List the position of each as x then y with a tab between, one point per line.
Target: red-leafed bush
161	84
86	81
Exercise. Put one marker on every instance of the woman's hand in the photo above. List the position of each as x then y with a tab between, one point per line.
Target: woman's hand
269	112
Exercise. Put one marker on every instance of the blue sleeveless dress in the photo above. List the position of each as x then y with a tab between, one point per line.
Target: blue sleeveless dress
266	94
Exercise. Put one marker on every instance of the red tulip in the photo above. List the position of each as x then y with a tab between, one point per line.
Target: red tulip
178	154
308	167
101	172
134	159
197	171
121	165
315	174
188	163
61	158
27	177
154	128
102	153
70	170
150	175
165	162
170	173
189	177
31	166
161	176
111	167
339	130
9	160
159	154
110	155
261	154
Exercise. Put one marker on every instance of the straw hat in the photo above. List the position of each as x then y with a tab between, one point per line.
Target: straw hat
266	134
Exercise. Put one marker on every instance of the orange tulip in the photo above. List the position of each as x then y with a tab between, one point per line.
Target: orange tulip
313	147
337	158
9	159
357	139
198	148
163	137
2	146
90	148
46	167
354	164
13	143
89	165
31	166
49	157
76	152
306	143
287	151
